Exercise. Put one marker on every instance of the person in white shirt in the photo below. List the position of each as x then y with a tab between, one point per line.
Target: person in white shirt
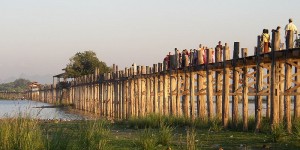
291	27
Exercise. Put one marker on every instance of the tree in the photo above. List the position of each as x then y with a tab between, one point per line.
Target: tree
19	85
83	63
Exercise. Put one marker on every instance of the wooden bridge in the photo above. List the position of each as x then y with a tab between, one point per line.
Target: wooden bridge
197	90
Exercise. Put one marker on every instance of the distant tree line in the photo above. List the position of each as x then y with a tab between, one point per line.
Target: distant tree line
19	85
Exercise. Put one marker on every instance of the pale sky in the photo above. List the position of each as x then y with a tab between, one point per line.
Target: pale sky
37	37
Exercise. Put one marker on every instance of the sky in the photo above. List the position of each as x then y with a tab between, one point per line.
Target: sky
37	37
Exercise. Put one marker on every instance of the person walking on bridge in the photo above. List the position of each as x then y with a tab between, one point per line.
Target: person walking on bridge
265	38
290	27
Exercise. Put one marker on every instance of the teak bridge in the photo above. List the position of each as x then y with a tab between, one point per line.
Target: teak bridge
201	90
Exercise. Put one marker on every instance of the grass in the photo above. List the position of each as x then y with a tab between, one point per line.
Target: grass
20	134
154	132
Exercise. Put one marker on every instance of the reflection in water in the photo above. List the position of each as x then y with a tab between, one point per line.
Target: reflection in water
13	108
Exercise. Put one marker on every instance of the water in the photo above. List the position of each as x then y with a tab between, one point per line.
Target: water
13	108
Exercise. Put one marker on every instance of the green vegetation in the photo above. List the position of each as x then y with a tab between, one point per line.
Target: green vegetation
18	85
83	63
20	134
157	133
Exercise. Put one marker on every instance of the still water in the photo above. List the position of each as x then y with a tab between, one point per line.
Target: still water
13	108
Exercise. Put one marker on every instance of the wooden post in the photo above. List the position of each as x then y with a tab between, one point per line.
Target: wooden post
166	82
143	91
289	39
297	97
139	92
275	40
149	104
287	105
101	93
155	89
245	90
186	97
173	93
225	91
218	86
132	94
192	94
259	46
160	84
274	91
201	102
178	94
209	86
258	99
235	97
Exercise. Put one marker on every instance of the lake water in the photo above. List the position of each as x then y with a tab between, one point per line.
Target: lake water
13	108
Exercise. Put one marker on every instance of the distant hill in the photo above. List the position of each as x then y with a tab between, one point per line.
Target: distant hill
18	85
42	79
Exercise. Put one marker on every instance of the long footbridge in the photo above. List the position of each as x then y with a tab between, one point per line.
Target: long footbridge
197	90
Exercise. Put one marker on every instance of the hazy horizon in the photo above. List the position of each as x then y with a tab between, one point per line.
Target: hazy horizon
37	38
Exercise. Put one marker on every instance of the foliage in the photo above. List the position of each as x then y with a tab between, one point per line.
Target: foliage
147	140
93	135
278	132
20	134
165	135
83	63
191	139
18	85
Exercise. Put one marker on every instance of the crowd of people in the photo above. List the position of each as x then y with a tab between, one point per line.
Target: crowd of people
192	57
265	36
204	55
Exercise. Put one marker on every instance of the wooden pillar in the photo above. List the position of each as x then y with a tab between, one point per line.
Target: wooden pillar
202	96
149	104
155	89
192	94
225	91
297	97
143	91
100	82
132	93
166	89
274	91
289	41
287	105
259	46
245	90
127	93
173	93
280	66
160	84
218	86
275	44
258	98
178	94
209	90
235	97
139	92
186	97
268	105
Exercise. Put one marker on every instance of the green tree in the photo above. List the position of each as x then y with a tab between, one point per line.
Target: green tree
83	63
18	85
